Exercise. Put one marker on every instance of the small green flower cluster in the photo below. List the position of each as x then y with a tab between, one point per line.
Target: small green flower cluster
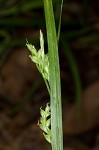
42	63
45	122
39	58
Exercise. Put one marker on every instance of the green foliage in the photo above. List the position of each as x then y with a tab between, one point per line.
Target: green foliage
48	66
54	78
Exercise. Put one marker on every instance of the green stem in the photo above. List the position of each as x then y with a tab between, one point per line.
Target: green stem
54	78
48	88
59	26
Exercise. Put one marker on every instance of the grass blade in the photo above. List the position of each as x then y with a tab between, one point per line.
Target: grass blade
59	26
54	78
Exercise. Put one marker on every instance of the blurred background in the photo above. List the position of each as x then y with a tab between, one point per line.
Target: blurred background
22	89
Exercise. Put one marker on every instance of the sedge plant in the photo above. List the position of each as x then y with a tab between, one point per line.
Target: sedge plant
48	65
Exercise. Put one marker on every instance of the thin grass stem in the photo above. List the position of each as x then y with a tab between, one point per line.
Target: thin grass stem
47	85
54	78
